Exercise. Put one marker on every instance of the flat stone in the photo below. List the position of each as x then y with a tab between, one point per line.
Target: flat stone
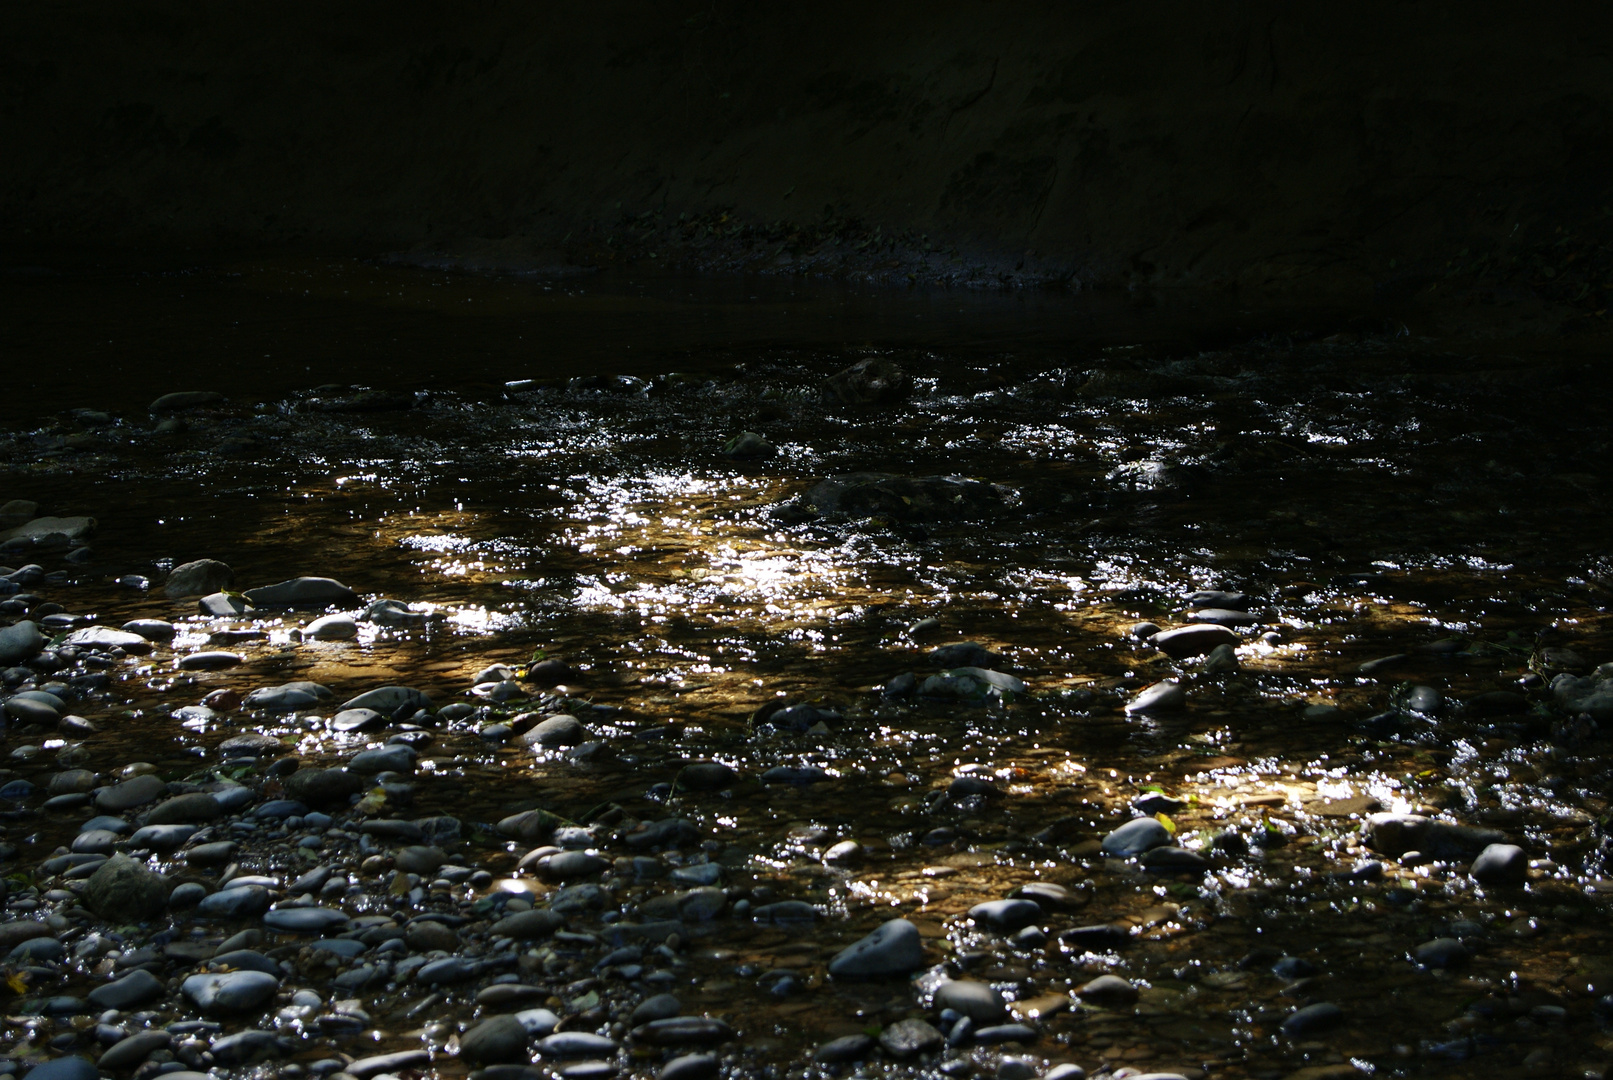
332	628
978	1001
1108	990
303	592
690	1067
1312	1019
1224	617
70	528
1136	836
240	902
683	1031
528	925
102	638
1006	915
195	808
576	1044
127	1053
1160	697
394	757
216	853
287	697
249	1047
223	605
150	629
1186	642
135	989
230	993
162	838
65	1068
304	920
847	1049
894	948
210	660
364	1068
387	700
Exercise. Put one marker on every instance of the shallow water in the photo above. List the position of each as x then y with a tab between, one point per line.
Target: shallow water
1378	495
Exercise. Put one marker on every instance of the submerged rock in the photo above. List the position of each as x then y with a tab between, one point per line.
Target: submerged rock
906	498
303	592
198	578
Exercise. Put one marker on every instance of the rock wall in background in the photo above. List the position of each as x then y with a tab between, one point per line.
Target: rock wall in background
1332	148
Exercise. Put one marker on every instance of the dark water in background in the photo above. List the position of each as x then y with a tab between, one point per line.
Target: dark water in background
1379	495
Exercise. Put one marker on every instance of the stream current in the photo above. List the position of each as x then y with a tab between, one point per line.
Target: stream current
1410	542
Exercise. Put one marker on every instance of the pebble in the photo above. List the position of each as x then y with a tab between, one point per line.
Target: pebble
304	920
240	902
1441	953
895	948
691	1066
556	732
1312	1019
909	1038
391	758
843	1050
129	1052
1136	836
130	794
210	660
576	1044
1006	915
1186	642
1109	991
1160	697
21	641
332	628
230	993
977	1000
496	1040
72	1067
128	993
1501	864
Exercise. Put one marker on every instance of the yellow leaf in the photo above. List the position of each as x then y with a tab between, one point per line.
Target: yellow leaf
1164	819
18	982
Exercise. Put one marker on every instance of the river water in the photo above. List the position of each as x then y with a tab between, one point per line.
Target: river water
539	467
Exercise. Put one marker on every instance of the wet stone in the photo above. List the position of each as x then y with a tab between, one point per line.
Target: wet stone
691	1067
1136	836
909	1038
1501	864
129	1052
1006	915
977	1000
1109	991
1312	1019
124	889
893	949
683	1031
240	902
1441	953
130	794
1160	697
659	1007
248	1047
843	1050
364	1068
304	920
567	1044
72	1067
1187	642
230	993
303	592
130	992
501	1039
